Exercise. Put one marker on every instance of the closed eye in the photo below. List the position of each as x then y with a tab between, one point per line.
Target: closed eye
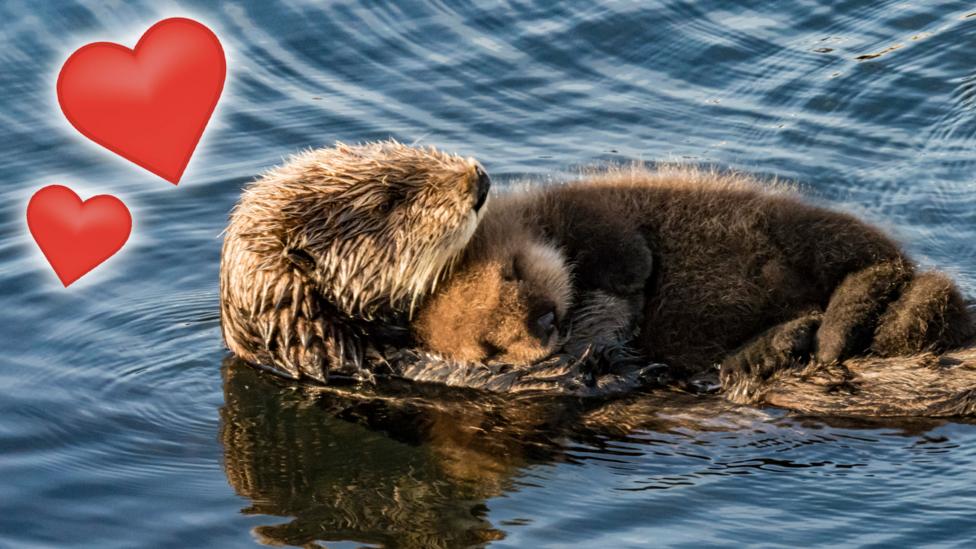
517	268
395	196
490	351
513	271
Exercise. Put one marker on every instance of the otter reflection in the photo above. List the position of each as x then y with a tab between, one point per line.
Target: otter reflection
367	466
414	465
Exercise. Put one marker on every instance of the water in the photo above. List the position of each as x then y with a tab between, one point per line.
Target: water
122	424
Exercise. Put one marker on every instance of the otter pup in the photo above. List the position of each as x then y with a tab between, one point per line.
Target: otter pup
486	292
507	320
324	255
504	302
732	260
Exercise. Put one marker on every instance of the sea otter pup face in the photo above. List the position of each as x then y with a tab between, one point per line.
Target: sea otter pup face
350	232
504	302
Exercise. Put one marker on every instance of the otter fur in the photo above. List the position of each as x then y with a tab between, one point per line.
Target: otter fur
503	302
772	367
329	252
732	259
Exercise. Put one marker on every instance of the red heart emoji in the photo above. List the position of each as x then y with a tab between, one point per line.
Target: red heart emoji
150	104
76	236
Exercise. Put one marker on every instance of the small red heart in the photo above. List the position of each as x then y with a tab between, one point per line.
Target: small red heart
150	104
76	236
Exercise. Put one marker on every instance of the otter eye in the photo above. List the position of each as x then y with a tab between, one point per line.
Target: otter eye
394	197
490	350
301	259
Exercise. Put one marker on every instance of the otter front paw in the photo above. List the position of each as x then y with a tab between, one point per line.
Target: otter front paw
930	315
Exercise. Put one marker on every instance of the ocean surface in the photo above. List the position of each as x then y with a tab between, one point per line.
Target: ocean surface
123	424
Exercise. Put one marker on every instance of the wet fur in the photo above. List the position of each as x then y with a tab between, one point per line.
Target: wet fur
330	251
926	384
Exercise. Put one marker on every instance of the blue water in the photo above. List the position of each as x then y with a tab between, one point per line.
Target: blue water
122	425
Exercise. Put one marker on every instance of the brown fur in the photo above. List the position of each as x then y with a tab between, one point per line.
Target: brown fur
883	307
329	250
733	259
504	302
927	385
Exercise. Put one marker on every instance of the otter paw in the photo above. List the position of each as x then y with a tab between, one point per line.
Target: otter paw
782	346
855	305
930	315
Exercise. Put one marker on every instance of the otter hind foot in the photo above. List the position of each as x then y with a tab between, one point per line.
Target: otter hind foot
856	304
930	315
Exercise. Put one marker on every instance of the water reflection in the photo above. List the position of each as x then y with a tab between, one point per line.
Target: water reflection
415	466
351	466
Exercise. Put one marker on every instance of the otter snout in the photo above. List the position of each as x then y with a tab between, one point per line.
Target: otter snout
482	186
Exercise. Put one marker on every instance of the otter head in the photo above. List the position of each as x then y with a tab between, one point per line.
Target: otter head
373	225
505	302
339	236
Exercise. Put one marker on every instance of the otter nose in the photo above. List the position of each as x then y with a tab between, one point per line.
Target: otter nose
484	183
544	326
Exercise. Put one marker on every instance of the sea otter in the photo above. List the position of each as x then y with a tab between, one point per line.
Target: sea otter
494	286
327	253
732	259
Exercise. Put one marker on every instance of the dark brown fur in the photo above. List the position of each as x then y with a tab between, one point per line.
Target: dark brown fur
732	259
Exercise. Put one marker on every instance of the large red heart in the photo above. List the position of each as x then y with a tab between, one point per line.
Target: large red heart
77	236
150	104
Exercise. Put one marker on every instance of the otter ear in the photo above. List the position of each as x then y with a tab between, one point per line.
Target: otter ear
301	260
